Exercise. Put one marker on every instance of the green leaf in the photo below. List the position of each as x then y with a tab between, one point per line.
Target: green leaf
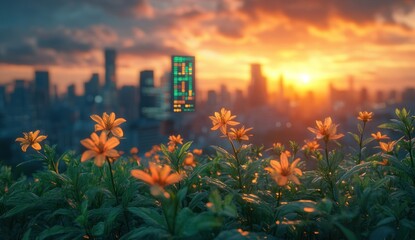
349	234
56	230
147	232
385	221
98	229
353	171
197	199
150	216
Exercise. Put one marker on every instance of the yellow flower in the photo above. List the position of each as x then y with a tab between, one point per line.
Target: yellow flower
31	139
100	148
108	123
326	130
282	171
197	151
158	178
387	147
175	140
222	120
189	160
311	146
378	136
240	134
365	116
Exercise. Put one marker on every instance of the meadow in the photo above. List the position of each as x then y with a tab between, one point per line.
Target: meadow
241	191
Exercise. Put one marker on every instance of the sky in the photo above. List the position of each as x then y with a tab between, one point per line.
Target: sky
309	42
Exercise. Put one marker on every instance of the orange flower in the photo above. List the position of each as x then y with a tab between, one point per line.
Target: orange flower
158	178
311	146
171	148
175	140
385	162
100	148
281	171
240	134
197	151
222	120
378	136
108	123
31	139
189	160
365	116
133	150
326	130
387	147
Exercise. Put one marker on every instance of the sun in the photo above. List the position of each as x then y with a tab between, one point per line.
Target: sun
305	78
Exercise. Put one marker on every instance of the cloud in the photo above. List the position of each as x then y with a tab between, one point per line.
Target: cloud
320	12
152	49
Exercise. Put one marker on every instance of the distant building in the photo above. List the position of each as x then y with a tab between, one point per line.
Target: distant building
42	88
183	77
148	95
257	91
110	69
128	98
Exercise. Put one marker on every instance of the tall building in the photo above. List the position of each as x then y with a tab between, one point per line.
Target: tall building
183	88
110	69
42	88
257	91
148	95
41	95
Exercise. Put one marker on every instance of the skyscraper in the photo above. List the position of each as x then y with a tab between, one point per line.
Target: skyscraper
110	69
183	83
147	94
42	89
257	91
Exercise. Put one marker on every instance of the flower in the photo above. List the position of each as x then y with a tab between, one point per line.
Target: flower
365	116
222	120
133	150
326	130
197	151
240	134
31	139
108	123
378	136
384	162
281	171
175	140
310	146
100	148
387	147
189	160
158	178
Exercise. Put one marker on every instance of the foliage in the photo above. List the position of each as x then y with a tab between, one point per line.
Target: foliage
226	195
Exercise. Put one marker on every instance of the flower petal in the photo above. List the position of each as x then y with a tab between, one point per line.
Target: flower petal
173	178
97	119
117	131
139	174
36	146
118	121
88	154
99	160
25	146
112	143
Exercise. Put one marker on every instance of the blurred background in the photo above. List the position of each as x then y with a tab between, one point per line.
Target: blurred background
278	65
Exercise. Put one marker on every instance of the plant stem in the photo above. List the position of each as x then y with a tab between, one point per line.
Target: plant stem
235	152
112	181
329	170
361	143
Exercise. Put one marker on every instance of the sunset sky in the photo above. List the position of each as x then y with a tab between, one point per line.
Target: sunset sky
310	41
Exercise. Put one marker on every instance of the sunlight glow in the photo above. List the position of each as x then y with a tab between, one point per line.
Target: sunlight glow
305	78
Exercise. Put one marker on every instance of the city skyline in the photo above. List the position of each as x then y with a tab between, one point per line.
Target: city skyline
307	42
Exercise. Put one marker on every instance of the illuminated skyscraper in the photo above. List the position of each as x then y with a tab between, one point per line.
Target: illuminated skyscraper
257	91
110	67
183	83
